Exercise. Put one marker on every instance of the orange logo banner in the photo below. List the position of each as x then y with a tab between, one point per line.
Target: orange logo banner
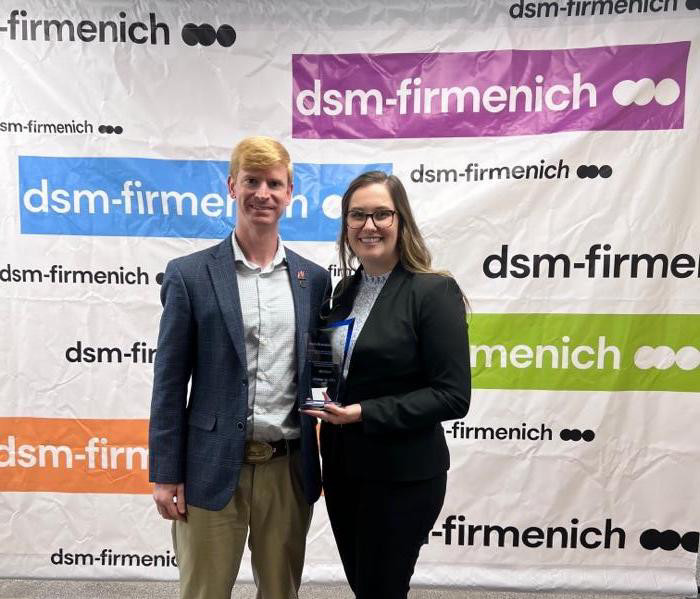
74	456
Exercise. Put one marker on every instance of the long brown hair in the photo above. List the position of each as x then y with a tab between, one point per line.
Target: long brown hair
414	254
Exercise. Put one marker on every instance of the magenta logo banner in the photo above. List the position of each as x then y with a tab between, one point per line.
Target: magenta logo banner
491	93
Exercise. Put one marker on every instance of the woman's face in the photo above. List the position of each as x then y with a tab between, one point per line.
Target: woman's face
376	242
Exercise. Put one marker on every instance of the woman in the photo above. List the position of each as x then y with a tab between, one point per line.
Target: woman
407	369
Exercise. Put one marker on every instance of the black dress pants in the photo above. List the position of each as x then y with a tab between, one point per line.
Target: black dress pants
379	527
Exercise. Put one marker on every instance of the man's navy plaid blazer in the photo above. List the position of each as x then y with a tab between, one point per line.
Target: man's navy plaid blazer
200	440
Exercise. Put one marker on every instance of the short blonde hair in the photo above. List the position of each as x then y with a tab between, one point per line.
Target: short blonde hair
259	153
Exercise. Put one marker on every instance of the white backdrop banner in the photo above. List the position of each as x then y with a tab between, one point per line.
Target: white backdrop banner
550	153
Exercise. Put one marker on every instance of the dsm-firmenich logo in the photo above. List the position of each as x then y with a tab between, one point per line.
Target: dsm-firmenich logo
23	26
489	93
586	352
143	197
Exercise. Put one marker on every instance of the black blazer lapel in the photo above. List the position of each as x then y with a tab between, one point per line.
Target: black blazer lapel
396	277
342	304
299	280
222	270
393	284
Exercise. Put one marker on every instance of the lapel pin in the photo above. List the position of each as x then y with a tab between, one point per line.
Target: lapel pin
301	277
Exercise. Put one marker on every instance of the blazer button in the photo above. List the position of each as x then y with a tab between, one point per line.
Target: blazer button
239	426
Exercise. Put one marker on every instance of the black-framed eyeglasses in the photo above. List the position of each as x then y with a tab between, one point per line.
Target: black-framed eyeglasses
382	219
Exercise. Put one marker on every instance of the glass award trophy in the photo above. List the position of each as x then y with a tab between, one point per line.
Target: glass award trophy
326	372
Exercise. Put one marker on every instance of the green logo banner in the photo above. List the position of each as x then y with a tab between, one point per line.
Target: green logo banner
579	352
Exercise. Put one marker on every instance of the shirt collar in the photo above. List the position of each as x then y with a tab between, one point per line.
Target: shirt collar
279	258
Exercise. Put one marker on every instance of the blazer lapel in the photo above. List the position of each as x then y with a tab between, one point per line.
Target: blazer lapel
299	281
392	285
342	305
222	270
397	275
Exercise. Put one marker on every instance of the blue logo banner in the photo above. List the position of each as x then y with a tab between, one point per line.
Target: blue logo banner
143	197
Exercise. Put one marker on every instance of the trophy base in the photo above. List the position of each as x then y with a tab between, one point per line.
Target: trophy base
311	404
318	400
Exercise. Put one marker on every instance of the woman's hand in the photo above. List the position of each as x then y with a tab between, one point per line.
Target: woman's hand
337	414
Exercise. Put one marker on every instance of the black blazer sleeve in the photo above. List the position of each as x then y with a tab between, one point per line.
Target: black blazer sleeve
443	351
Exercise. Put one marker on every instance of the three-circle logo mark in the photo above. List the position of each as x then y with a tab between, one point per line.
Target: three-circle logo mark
628	92
668	540
663	357
573	434
206	35
109	129
591	171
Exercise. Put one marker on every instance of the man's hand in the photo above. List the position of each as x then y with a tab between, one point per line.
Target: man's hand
338	414
170	500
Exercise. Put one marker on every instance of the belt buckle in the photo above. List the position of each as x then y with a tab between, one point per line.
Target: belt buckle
258	452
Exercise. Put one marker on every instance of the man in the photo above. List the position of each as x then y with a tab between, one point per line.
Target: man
238	458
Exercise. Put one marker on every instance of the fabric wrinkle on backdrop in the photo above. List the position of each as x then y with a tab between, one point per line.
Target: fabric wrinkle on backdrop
549	152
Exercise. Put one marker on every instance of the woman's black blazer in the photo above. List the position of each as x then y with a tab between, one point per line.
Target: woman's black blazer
410	371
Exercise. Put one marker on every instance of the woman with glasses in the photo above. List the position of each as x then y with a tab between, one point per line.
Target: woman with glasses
406	371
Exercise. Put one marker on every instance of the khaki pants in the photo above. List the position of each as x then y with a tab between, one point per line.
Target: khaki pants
269	502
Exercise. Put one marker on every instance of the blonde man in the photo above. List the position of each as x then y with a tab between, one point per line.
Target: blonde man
236	459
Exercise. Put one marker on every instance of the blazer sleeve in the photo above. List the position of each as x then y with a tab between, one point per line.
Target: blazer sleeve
443	347
172	369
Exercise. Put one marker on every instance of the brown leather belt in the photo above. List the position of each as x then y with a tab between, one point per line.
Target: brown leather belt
259	452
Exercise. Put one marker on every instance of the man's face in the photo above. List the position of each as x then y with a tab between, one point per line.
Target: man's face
261	196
